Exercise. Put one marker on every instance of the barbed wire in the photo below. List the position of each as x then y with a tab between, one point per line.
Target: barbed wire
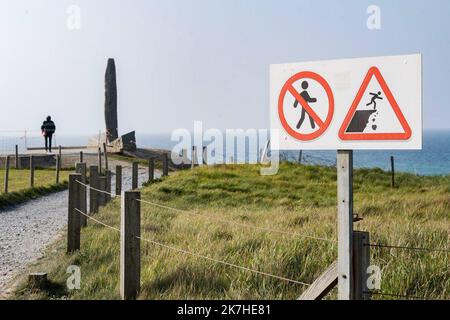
196	254
236	223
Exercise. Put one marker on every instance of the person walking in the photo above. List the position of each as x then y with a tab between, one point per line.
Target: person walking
305	95
48	128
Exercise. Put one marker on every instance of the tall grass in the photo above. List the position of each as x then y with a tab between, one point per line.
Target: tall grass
300	200
19	189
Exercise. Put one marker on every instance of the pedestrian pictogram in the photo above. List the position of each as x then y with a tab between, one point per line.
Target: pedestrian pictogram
375	114
299	99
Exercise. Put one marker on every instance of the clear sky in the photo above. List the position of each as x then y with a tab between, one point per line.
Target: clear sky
185	60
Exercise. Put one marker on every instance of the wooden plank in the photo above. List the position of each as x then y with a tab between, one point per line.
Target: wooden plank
135	175
31	171
99	155
37	280
108	175
105	151
118	180
151	170
73	219
323	284
392	172
345	223
361	261
165	160
194	160
17	157
7	165
102	181
130	247
81	168
58	168
93	195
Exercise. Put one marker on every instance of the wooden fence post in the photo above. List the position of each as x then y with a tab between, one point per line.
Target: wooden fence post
205	155
93	195
7	165
165	162
108	175
31	171
101	186
392	171
81	157
361	261
81	169
194	159
60	152
345	224
105	152
58	167
73	221
17	157
118	180
151	170
184	157
300	157
134	175
99	161
130	246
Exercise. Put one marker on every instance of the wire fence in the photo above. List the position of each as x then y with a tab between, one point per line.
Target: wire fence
197	255
262	229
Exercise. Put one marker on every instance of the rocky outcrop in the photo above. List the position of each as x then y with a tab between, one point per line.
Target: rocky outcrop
111	102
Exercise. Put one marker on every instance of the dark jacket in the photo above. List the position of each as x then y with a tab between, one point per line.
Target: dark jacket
48	128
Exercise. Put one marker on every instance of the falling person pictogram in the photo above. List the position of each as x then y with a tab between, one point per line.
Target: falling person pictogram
373	100
305	95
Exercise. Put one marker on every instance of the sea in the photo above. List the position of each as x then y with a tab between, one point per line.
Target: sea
433	159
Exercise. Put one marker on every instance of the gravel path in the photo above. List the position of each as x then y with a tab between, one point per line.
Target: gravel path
27	229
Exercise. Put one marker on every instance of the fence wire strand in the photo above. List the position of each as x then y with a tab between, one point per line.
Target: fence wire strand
381	246
196	254
98	190
223	262
98	221
236	223
395	295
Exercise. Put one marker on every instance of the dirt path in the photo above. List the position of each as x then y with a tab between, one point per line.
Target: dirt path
27	229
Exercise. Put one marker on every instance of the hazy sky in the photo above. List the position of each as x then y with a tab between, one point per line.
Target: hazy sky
185	60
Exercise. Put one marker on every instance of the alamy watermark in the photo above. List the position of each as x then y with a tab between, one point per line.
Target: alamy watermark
73	21
74	280
225	147
374	278
374	20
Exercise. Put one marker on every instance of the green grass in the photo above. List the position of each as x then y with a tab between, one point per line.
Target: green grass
19	189
300	199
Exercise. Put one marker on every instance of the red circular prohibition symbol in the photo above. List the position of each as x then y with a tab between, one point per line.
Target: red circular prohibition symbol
288	87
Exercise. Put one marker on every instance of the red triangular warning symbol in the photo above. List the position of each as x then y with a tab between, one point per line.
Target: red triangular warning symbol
353	127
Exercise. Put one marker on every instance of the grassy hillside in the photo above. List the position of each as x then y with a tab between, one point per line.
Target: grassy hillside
19	185
300	200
